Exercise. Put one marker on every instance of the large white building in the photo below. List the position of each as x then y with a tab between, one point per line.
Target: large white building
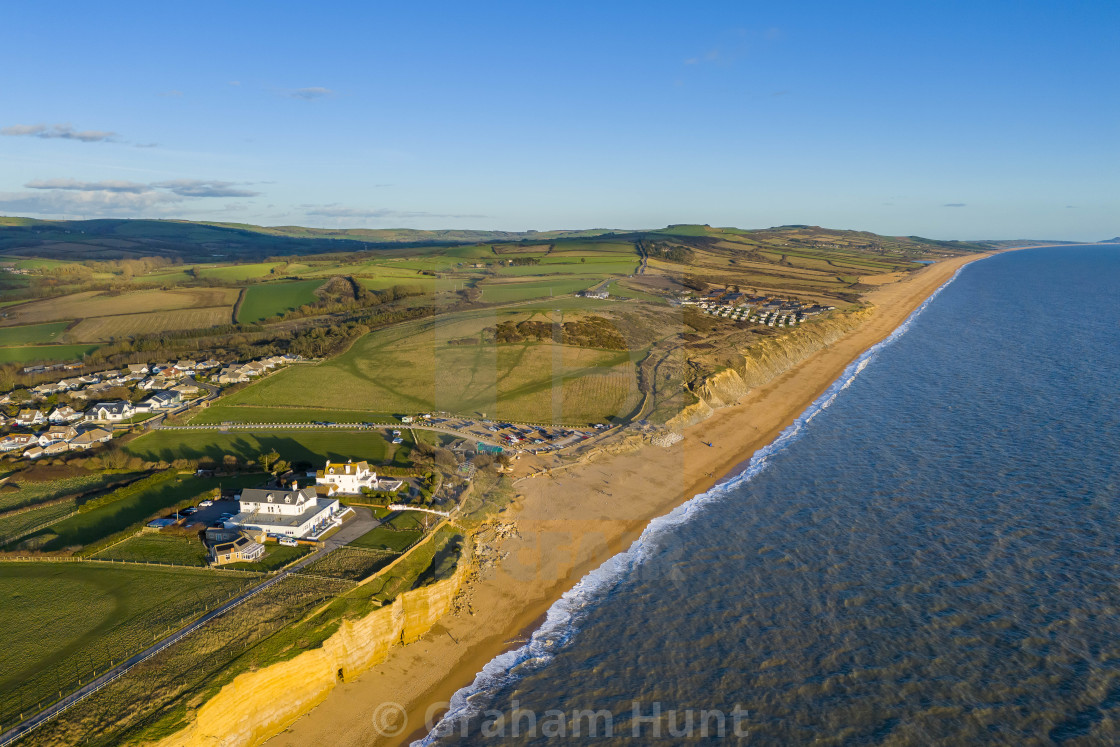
296	512
350	477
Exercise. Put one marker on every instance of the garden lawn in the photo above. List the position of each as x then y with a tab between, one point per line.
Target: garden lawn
384	538
274	558
158	548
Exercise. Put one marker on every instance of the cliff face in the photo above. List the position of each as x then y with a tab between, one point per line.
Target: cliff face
762	362
262	703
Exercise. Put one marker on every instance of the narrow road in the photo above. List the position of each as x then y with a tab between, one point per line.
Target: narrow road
362	523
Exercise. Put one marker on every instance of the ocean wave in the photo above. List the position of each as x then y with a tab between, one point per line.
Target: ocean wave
562	621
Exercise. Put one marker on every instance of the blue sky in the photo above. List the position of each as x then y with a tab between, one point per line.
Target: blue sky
947	119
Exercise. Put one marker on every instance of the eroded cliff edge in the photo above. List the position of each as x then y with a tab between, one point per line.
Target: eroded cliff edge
259	704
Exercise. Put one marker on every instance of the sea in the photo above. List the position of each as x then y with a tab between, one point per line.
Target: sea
929	555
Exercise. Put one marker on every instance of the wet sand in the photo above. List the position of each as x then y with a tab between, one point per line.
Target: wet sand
573	521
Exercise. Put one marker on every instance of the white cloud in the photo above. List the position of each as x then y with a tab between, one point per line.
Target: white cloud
337	211
59	132
116	197
310	94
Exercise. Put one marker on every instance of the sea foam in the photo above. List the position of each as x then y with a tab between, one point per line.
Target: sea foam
562	621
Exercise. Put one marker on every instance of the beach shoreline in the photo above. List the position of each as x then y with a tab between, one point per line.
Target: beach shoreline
571	522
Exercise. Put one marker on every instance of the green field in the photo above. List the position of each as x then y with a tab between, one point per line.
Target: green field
18	491
61	622
350	563
511	292
571	266
17	525
237	273
386	539
270	299
158	548
275	557
33	353
413	367
31	334
90	526
294	446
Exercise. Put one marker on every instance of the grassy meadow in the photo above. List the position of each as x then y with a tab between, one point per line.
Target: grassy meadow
100	303
33	353
421	366
294	446
267	300
158	548
125	325
32	334
135	505
62	622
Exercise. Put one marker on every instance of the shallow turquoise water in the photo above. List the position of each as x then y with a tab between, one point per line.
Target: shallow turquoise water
933	559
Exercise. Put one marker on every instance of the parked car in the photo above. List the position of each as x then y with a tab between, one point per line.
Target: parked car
206	504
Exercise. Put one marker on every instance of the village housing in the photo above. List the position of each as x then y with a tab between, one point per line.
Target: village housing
70	415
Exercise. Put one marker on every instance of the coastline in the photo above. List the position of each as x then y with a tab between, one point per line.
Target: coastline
571	523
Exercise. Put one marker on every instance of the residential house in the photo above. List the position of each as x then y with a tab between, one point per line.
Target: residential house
69	385
347	477
43	391
166	400
242	549
208	364
350	477
64	414
29	418
292	513
186	365
138	368
186	389
230	375
112	412
58	447
57	433
17	441
89	438
33	453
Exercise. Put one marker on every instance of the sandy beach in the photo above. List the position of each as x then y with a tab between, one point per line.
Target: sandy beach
573	521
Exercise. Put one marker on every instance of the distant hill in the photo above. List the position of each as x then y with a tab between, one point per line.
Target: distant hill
1113	240
193	241
1015	243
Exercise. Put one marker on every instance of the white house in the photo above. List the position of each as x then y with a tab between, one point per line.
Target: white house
17	441
350	477
293	513
163	400
90	438
111	411
28	418
57	433
64	414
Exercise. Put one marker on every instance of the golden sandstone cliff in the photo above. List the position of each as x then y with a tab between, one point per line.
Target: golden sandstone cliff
262	703
762	362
